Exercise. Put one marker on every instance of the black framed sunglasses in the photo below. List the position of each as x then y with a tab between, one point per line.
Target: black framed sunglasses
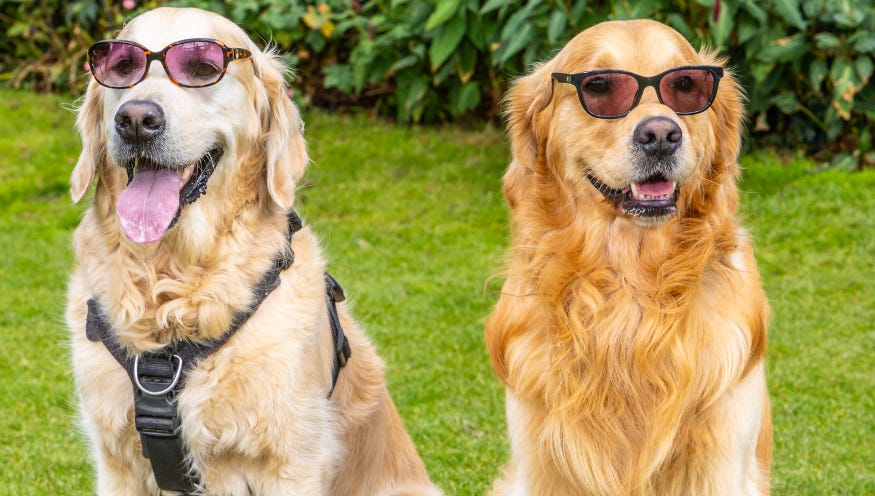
191	63
611	94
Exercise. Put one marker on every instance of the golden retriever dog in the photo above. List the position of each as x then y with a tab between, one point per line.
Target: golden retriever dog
631	329
196	150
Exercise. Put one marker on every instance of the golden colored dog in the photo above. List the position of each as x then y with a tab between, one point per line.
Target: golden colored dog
631	329
195	149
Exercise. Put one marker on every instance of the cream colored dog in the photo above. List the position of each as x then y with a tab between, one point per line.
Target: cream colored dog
631	330
170	250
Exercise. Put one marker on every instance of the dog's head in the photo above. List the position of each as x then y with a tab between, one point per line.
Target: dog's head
575	120
168	154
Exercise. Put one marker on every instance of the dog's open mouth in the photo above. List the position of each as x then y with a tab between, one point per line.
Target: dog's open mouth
155	194
654	197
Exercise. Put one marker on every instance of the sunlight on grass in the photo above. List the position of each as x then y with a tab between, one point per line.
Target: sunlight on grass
414	226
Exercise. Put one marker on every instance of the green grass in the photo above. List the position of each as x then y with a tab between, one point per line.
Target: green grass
414	226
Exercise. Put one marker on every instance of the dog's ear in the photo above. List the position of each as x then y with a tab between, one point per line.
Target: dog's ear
89	122
285	150
727	119
524	108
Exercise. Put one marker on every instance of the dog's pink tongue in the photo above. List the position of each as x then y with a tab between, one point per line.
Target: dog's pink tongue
655	189
148	205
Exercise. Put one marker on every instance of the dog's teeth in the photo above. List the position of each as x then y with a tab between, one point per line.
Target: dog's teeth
634	190
186	173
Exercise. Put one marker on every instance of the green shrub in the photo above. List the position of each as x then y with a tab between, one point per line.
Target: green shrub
43	43
806	65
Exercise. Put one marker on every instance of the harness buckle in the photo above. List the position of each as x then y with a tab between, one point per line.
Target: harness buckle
156	378
176	375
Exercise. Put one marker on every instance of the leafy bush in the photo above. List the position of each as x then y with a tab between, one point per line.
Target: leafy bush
806	65
43	43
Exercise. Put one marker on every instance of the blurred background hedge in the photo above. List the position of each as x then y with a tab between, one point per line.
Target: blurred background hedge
806	64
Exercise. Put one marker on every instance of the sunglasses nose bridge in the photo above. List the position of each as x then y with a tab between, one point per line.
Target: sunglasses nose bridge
157	72
648	92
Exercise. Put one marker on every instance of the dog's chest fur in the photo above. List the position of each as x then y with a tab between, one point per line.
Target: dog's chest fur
637	372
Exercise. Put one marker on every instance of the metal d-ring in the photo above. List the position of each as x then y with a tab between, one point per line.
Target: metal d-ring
169	388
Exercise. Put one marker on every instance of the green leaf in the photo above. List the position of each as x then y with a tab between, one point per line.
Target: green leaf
850	17
464	98
577	12
515	44
746	29
865	141
441	75
755	11
403	63
863	41
787	49
411	98
817	73
446	42
17	29
361	59
864	68
825	41
789	10
846	84
338	76
761	72
444	11
637	9
515	23
557	26
466	62
491	5
723	27
786	102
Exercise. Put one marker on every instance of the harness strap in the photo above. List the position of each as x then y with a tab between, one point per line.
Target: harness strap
334	294
159	377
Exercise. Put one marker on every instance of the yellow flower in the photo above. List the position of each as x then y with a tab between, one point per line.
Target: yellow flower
327	28
310	18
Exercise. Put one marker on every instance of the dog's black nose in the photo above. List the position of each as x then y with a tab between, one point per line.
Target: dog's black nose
657	136
139	121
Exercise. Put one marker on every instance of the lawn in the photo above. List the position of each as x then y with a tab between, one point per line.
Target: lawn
414	227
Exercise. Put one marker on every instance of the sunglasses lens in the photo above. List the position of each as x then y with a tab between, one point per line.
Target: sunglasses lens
687	91
195	63
117	65
608	94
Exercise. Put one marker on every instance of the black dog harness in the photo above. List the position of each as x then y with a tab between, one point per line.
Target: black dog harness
158	377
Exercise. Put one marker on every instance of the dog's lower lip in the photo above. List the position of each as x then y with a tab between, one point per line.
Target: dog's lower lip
633	202
639	204
201	171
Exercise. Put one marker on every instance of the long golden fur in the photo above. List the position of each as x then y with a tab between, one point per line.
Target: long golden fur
631	349
256	415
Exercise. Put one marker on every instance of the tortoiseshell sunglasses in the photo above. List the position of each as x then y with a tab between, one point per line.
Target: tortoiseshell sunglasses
191	63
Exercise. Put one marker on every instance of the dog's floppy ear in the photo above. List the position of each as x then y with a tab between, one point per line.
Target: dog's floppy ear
285	150
89	122
728	117
524	108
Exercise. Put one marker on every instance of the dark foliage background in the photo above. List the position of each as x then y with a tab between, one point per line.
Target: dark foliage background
806	64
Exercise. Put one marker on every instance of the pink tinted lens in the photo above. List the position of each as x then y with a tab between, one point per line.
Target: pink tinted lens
608	94
687	90
118	64
195	63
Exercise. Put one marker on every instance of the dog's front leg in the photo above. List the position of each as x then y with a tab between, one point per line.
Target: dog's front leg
123	475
